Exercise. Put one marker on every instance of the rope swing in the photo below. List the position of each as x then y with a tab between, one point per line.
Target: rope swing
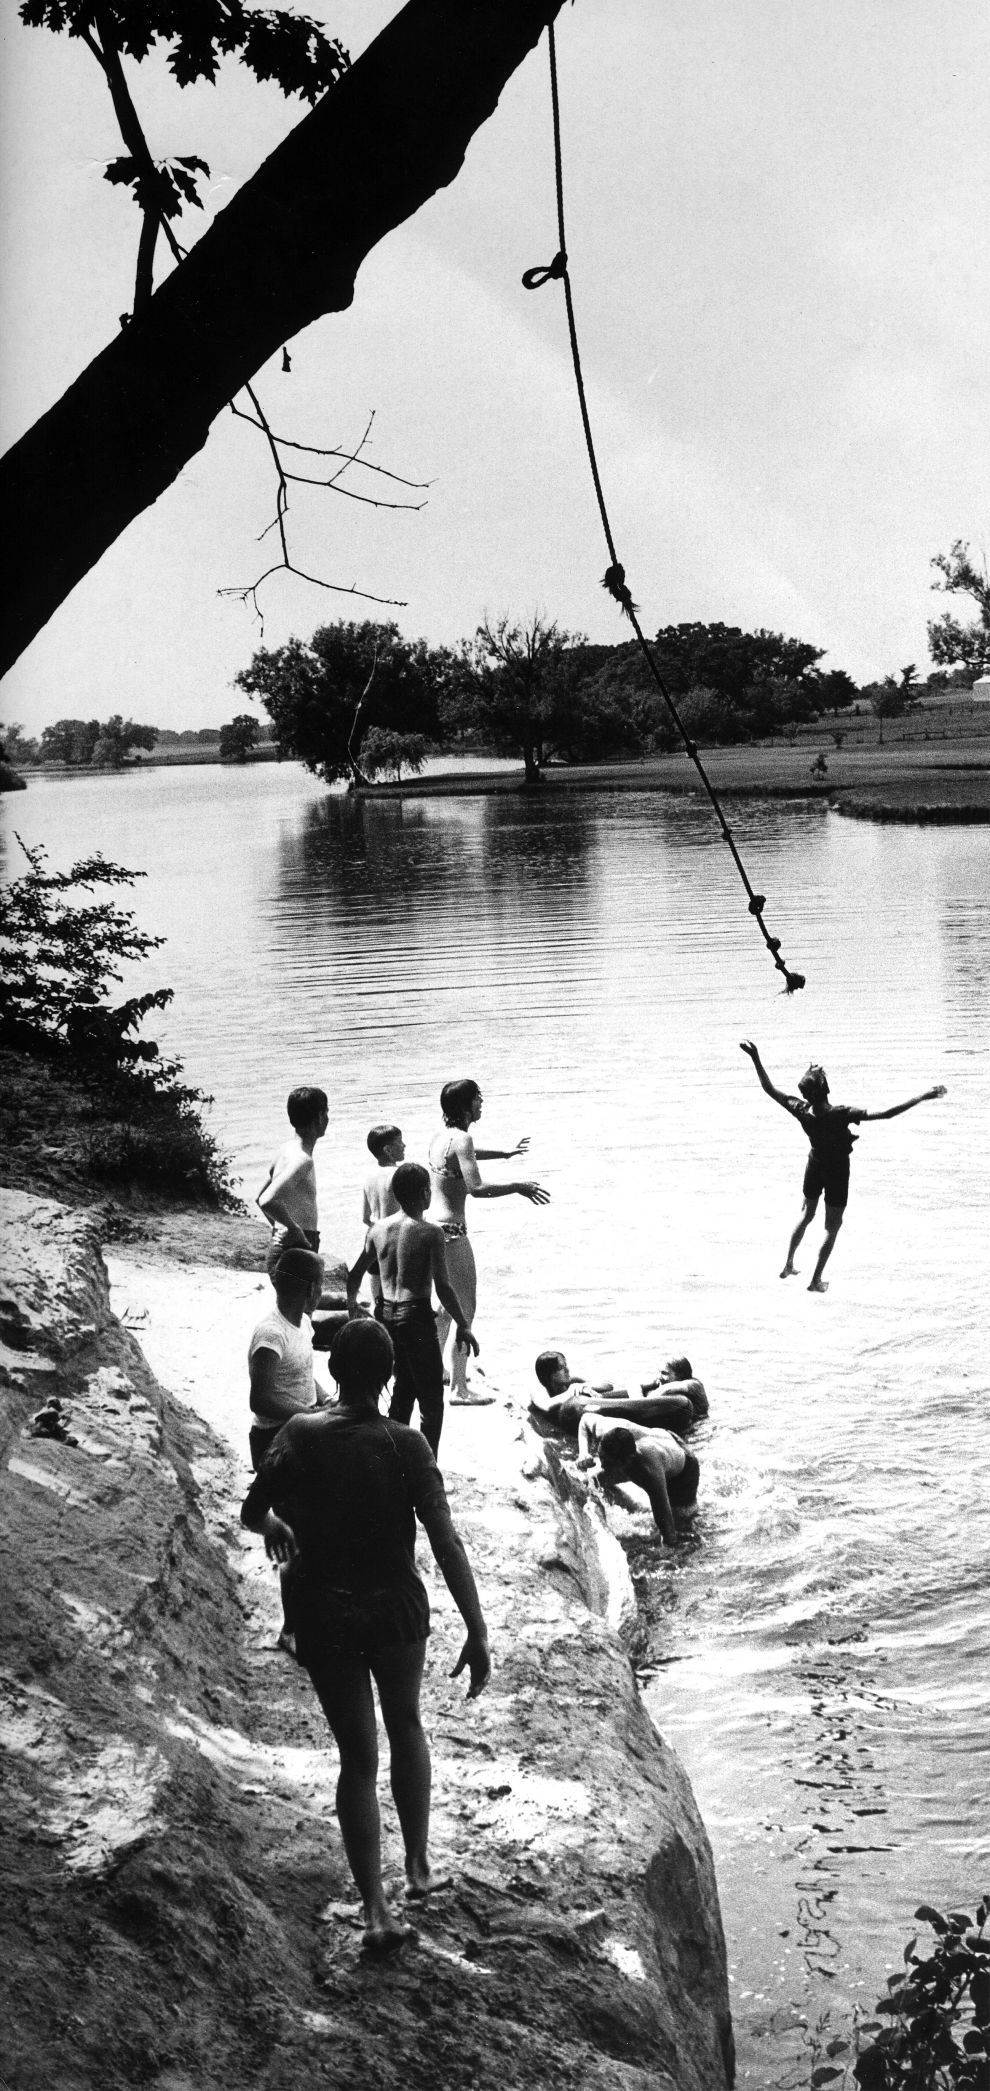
614	579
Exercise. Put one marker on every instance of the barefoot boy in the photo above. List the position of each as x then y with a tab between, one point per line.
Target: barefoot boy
337	1500
829	1130
288	1196
410	1256
378	1198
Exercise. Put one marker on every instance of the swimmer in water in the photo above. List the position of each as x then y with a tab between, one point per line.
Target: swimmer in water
563	1400
654	1459
829	1130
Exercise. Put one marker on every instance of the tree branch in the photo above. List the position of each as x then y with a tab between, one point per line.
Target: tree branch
286	250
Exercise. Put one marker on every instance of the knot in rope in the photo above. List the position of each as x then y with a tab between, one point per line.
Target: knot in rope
614	579
548	272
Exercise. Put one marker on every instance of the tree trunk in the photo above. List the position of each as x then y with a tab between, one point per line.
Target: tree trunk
392	131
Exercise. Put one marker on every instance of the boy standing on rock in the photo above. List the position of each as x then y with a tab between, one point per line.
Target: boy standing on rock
410	1256
337	1501
288	1196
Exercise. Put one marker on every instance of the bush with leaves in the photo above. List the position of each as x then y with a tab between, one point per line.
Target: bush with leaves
238	737
59	957
938	2038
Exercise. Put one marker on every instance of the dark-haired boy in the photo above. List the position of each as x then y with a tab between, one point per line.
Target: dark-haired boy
280	1367
378	1201
288	1196
410	1256
654	1459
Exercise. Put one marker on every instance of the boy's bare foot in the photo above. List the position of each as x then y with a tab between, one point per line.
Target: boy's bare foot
422	1881
818	1285
471	1401
788	1271
385	1934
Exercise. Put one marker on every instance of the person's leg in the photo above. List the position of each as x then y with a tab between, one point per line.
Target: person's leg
343	1687
464	1279
833	1221
400	1407
398	1673
809	1209
425	1366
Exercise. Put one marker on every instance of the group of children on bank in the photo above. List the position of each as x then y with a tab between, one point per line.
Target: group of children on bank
338	1487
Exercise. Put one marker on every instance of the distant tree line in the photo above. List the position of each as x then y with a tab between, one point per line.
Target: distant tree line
358	700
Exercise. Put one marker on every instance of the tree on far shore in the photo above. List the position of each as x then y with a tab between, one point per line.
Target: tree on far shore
238	737
92	743
324	695
509	682
951	643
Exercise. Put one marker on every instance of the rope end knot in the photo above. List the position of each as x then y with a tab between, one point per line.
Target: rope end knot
615	582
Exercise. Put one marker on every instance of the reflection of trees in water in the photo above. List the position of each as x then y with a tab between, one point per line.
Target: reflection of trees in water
407	855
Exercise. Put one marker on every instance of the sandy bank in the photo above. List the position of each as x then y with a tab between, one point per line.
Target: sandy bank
174	1851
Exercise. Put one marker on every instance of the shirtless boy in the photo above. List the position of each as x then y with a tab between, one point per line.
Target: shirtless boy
409	1254
563	1400
829	1130
288	1196
378	1198
654	1459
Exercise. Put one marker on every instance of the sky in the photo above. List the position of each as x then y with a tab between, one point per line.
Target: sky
776	221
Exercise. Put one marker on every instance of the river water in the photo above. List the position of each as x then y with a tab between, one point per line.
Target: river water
820	1658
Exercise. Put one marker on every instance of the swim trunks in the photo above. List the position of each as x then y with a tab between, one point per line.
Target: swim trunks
454	1230
280	1242
829	1175
333	1623
261	1438
418	1366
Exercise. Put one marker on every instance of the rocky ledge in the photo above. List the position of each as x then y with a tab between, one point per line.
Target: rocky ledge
178	1911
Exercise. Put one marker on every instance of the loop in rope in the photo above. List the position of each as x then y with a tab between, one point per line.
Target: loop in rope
534	279
615	577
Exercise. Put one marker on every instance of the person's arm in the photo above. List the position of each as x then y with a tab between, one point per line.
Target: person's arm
257	1513
464	1148
927	1096
451	1558
272	1200
587	1439
501	1154
445	1292
651	1476
367	1261
779	1095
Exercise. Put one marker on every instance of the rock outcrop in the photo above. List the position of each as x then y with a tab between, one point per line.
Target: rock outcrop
178	1910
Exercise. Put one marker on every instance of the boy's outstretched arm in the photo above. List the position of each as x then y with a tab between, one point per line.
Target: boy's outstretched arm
927	1096
746	1046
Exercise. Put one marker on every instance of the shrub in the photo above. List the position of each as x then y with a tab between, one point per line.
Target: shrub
938	2038
59	956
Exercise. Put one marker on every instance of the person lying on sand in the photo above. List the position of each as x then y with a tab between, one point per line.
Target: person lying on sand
563	1400
829	1130
654	1459
409	1255
337	1500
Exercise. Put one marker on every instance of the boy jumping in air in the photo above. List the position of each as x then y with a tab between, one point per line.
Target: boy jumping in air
829	1130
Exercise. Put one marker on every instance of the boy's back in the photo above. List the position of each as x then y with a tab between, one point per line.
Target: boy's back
380	1201
406	1251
